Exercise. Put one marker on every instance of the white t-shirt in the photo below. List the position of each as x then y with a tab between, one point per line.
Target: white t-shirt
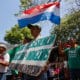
4	57
65	64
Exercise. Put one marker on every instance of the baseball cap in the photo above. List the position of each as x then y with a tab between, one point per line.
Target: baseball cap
3	45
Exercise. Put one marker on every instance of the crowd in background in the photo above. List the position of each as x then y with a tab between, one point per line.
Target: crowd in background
64	64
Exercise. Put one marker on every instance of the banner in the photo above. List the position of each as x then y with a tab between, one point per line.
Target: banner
32	57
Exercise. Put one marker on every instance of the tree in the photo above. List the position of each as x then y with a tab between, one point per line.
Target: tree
25	4
69	27
17	35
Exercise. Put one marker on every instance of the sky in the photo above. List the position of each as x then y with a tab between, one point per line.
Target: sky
7	19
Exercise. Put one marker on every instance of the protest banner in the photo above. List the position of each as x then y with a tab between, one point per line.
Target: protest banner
32	57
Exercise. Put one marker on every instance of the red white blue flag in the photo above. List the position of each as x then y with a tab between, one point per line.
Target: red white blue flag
49	11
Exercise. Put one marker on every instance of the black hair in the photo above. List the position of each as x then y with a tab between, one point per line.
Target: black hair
36	26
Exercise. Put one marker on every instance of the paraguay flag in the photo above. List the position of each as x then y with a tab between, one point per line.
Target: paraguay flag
49	11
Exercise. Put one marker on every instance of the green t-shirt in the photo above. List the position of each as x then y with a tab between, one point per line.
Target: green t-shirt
73	55
12	53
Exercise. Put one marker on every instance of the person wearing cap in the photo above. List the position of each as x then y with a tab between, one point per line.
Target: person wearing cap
4	60
73	54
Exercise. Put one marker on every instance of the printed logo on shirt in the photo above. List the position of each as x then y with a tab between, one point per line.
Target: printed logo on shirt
72	54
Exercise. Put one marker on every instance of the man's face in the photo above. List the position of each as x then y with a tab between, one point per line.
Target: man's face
72	43
2	50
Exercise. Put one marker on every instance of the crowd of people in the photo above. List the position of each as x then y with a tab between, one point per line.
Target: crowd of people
72	53
56	70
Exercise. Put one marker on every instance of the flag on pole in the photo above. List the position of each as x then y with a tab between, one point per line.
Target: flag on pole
49	11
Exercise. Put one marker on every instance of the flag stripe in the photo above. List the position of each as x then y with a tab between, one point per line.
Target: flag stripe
41	7
41	17
53	9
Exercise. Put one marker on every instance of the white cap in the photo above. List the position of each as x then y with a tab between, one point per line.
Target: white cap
3	45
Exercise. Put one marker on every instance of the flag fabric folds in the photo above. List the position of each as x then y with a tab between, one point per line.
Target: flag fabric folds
49	11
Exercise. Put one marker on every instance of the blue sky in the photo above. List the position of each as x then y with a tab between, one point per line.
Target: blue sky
7	19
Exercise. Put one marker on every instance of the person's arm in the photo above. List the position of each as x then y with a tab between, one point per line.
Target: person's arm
5	62
61	51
